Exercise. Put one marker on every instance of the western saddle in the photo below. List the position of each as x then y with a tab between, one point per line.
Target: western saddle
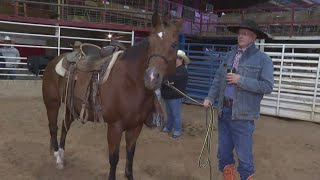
86	68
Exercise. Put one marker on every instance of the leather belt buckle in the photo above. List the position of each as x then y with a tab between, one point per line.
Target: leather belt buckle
227	102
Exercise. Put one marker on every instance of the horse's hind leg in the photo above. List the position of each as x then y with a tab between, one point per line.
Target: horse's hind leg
114	138
131	139
66	123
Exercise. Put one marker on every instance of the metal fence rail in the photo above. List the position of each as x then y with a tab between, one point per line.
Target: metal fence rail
296	92
52	40
205	60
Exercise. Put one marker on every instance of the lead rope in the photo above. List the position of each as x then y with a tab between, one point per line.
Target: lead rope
208	137
65	102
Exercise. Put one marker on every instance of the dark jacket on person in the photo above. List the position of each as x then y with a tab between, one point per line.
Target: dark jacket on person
178	80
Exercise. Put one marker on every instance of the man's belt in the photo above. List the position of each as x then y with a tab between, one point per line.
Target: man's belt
227	102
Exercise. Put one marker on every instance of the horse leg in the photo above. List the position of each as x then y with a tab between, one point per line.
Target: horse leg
52	113
66	123
156	117
131	139
114	138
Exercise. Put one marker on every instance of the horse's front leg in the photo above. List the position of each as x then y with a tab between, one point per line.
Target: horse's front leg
52	113
156	117
114	138
131	139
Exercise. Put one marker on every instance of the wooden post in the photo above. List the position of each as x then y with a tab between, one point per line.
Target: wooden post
16	8
292	21
25	10
201	21
59	9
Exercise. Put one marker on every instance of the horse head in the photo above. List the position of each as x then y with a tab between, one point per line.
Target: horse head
162	52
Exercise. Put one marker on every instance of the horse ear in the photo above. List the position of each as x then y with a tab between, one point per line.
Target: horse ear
155	19
179	24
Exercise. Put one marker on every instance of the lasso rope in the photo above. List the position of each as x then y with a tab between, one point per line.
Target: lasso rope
208	137
65	102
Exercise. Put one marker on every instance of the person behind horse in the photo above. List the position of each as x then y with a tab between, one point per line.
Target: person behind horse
244	76
172	98
12	55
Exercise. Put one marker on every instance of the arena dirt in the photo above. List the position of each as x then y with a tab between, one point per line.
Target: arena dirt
283	149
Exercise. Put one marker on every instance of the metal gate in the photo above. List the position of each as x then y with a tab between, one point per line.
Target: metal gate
296	92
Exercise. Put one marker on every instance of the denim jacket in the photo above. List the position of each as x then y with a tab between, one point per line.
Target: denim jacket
256	79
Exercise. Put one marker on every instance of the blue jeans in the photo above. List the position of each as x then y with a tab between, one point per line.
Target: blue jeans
8	72
235	134
173	111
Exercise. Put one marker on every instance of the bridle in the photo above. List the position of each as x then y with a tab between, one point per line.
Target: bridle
162	57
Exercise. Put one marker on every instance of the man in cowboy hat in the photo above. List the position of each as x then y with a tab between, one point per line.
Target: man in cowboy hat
244	76
172	98
12	55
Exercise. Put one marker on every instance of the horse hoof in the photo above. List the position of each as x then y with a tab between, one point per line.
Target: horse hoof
60	166
130	178
59	155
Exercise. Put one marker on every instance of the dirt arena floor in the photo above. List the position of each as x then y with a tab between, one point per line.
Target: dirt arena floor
283	149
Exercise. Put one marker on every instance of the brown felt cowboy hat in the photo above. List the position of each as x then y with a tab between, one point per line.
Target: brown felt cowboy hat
183	55
252	26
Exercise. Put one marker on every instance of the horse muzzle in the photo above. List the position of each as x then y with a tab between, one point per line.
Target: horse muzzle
152	78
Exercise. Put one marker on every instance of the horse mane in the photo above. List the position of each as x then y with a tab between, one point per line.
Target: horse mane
137	51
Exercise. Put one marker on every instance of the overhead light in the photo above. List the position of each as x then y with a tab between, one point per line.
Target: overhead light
109	36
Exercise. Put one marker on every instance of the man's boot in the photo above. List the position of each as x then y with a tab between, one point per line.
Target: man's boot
229	172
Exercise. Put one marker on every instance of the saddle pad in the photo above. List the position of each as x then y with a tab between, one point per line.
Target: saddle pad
60	69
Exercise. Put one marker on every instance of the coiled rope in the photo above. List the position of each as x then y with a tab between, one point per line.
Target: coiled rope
207	140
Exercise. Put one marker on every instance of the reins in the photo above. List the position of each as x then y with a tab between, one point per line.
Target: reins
208	137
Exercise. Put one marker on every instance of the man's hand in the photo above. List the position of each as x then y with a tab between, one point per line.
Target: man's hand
206	103
232	78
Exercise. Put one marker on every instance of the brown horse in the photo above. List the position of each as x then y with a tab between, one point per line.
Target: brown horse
126	97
